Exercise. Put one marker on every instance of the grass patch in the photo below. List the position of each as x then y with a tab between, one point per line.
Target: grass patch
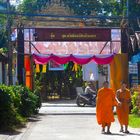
134	121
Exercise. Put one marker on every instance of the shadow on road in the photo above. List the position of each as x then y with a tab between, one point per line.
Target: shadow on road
136	134
59	105
65	105
60	102
11	133
65	114
34	119
122	134
114	134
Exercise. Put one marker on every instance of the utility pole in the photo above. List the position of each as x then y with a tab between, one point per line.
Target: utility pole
125	30
10	50
127	14
20	55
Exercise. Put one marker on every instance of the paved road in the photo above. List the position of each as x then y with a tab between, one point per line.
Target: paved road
66	121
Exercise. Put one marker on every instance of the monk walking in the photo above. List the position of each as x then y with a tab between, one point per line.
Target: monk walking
124	97
104	107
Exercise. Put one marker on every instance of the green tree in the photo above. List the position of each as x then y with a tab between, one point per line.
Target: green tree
134	13
82	7
89	7
79	7
33	6
3	37
2	26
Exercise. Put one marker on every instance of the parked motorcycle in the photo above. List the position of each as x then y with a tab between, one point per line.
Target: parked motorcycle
82	100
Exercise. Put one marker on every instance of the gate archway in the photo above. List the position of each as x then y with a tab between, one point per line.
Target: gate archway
48	43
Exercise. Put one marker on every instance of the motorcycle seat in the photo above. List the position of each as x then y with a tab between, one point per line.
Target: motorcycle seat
79	90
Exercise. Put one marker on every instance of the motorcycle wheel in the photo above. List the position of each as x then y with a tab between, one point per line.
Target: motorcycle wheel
93	103
79	102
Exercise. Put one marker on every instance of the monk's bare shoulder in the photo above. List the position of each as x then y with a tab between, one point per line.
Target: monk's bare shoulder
127	90
128	93
118	91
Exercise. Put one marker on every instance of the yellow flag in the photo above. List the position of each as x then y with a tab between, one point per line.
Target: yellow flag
76	67
37	68
73	68
44	69
119	65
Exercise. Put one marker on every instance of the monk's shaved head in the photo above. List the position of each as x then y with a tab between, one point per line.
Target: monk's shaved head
106	84
123	84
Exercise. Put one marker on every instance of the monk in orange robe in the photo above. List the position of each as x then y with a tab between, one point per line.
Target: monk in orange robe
124	97
104	107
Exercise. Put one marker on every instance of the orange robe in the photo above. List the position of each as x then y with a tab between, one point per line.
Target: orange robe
123	110
105	102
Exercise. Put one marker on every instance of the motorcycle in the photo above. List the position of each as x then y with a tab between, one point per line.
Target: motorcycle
83	99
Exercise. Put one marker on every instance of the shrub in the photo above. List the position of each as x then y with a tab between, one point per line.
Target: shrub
16	102
135	109
8	115
17	96
37	89
37	93
28	102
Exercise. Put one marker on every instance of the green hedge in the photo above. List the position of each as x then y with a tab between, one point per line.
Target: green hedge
135	110
28	101
8	114
16	103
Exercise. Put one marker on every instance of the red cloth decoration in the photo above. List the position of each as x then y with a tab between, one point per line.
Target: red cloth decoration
99	59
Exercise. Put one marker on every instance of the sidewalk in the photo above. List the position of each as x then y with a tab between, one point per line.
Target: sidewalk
63	121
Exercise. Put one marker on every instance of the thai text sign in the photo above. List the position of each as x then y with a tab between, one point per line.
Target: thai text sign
73	34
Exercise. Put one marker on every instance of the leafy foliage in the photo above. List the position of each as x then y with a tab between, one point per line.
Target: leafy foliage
16	103
37	90
134	11
134	121
4	25
8	114
61	83
90	7
33	6
27	101
3	37
135	109
80	7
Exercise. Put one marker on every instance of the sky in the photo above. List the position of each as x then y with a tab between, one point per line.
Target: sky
15	2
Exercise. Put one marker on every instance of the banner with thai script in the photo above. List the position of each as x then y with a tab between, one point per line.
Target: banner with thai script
72	34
